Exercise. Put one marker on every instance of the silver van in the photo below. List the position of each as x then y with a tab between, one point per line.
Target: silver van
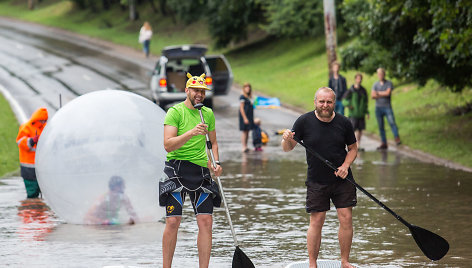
170	74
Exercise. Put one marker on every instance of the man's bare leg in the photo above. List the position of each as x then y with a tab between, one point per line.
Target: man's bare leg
345	235
169	240
358	137
204	239
314	236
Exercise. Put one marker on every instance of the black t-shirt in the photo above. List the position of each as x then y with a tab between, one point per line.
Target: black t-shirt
327	139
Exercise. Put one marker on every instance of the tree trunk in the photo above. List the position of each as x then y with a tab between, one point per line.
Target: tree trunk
154	9
31	4
330	31
132	10
106	4
163	7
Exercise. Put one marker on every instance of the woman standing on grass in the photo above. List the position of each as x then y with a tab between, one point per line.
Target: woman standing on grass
246	114
145	35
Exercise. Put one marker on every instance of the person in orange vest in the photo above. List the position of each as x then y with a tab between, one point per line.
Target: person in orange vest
27	140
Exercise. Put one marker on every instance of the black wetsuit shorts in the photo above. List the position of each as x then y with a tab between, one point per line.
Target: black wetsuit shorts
184	177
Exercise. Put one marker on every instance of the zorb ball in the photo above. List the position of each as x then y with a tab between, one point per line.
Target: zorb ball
99	159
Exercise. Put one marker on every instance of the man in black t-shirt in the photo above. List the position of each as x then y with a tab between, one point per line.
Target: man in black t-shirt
327	133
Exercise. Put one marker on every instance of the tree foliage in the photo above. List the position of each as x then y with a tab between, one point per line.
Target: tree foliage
294	18
228	20
187	11
416	40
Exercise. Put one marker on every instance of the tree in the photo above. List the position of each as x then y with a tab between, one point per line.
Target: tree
414	40
228	20
293	18
187	11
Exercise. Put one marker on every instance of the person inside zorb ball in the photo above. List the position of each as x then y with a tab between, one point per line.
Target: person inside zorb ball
99	159
107	208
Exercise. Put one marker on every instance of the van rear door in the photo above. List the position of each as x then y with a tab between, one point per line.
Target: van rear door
221	73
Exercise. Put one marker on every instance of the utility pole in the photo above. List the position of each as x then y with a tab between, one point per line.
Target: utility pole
330	31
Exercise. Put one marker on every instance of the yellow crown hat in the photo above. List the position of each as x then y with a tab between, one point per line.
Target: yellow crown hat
196	81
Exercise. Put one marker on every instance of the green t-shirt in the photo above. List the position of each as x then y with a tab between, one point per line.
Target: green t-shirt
185	119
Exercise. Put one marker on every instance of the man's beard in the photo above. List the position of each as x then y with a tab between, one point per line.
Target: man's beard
192	101
325	113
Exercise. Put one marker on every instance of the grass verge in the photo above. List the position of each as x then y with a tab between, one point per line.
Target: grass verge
8	131
290	69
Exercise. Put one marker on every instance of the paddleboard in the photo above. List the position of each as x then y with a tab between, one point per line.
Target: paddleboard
320	263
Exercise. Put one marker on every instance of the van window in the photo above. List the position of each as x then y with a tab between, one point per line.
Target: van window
157	69
217	65
176	72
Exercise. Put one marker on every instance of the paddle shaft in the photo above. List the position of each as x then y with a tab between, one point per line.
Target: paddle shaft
333	167
212	157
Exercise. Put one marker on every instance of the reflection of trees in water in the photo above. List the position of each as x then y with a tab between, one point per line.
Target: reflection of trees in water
36	222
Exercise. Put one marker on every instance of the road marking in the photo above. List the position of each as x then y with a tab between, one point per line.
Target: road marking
17	110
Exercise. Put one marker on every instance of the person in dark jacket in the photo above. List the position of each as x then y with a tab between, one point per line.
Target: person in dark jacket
356	100
337	83
246	115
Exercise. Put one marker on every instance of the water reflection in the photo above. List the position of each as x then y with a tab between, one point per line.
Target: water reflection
266	197
35	220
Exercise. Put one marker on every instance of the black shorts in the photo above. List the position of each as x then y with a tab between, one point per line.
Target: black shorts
192	180
202	203
357	123
318	196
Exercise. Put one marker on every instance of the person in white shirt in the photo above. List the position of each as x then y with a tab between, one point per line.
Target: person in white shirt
145	35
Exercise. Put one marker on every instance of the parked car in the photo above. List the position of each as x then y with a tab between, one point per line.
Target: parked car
170	74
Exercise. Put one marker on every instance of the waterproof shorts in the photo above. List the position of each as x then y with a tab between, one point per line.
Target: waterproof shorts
342	193
186	178
358	123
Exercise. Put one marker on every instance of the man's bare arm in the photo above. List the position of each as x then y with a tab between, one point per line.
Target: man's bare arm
173	142
288	143
350	157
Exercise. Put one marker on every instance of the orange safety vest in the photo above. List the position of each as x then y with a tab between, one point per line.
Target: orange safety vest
27	131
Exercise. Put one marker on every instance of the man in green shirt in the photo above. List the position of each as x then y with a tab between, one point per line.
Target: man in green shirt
187	164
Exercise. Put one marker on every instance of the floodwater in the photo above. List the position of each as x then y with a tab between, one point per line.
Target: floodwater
265	193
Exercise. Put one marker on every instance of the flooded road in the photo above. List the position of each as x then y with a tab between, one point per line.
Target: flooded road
265	191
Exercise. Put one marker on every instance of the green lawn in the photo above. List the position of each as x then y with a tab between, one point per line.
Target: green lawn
8	131
291	69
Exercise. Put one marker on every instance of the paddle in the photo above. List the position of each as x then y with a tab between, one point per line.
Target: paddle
432	245
240	260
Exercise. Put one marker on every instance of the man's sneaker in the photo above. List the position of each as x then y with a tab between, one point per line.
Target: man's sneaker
382	146
398	141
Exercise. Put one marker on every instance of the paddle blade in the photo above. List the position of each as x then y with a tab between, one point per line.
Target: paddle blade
432	245
240	260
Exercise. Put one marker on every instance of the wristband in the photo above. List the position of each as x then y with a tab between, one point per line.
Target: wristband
218	163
